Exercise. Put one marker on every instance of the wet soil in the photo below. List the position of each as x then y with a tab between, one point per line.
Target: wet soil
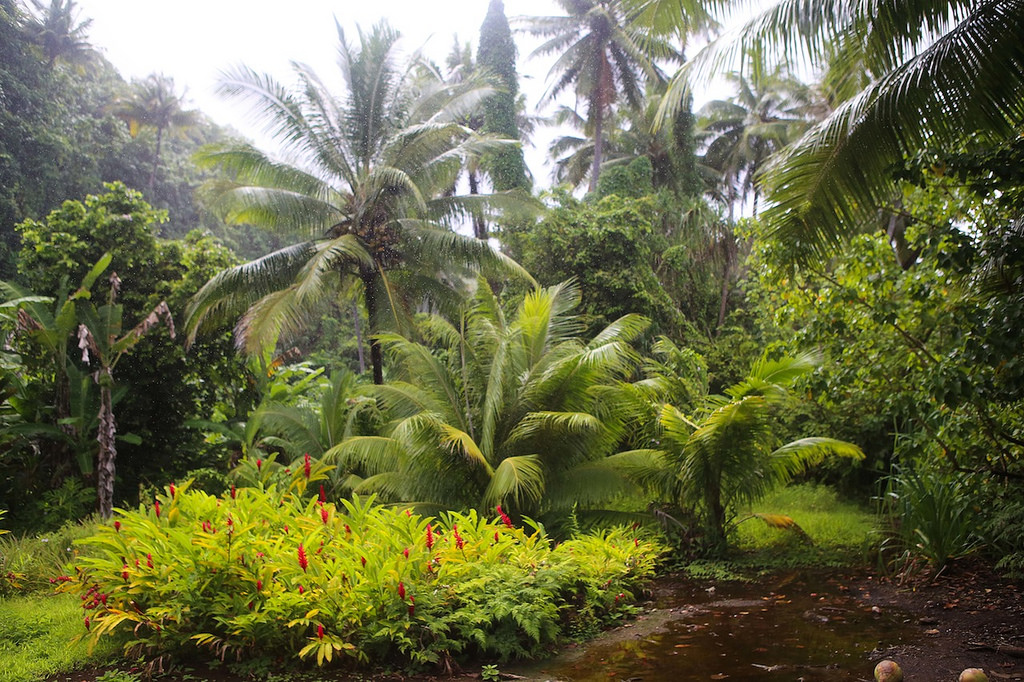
805	625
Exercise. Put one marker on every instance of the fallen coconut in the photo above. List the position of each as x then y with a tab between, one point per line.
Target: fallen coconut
888	671
973	675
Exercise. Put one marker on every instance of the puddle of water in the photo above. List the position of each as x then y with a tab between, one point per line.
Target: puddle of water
802	627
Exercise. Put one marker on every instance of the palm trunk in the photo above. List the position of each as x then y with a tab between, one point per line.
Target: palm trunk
376	352
595	168
479	226
359	337
156	159
107	454
723	304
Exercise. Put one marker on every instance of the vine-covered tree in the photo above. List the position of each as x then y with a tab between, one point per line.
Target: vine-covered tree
496	54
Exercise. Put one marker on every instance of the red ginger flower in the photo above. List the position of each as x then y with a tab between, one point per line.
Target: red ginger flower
259	585
320	631
233	492
259	464
324	515
363	560
401	590
174	491
149	560
430	537
459	542
412	605
323	495
504	517
156	506
406	552
117	526
307	465
87	622
303	561
301	589
124	572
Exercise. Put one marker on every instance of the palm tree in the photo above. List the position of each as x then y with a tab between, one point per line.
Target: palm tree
57	29
368	188
948	73
727	454
602	57
740	134
495	411
155	103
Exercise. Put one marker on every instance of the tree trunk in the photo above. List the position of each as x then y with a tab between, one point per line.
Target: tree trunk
595	169
376	352
107	454
156	159
723	304
479	226
359	337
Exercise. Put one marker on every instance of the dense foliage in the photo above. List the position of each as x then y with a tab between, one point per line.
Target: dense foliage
267	572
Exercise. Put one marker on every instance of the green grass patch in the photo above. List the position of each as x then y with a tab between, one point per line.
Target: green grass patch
36	638
829	530
28	563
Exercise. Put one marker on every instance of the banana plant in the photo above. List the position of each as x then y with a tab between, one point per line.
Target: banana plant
103	344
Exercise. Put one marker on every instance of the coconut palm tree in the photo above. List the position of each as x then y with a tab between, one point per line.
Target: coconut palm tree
58	30
500	411
948	73
740	134
602	57
155	103
726	454
367	188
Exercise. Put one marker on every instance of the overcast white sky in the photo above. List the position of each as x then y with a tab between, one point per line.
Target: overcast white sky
193	40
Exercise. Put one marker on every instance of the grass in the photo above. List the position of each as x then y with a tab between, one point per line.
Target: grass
36	638
28	562
835	532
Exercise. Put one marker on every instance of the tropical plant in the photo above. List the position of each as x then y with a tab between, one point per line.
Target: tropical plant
602	57
369	192
727	454
100	339
268	572
949	74
500	411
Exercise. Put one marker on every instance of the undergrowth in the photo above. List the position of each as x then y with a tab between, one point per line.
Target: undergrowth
37	638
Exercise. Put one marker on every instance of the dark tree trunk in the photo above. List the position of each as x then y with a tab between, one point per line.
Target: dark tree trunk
595	169
479	226
359	337
376	352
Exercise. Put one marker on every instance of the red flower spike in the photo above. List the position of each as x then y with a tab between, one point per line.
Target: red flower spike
324	515
117	526
174	491
250	606
301	589
430	537
408	513
286	529
323	495
636	542
459	542
307	465
103	598
412	606
303	561
230	521
87	622
495	537
320	631
259	464
136	563
124	572
348	531
363	560
259	585
233	492
149	560
504	517
156	506
406	552
401	590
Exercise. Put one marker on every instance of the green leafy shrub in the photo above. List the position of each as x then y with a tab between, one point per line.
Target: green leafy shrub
31	563
266	571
